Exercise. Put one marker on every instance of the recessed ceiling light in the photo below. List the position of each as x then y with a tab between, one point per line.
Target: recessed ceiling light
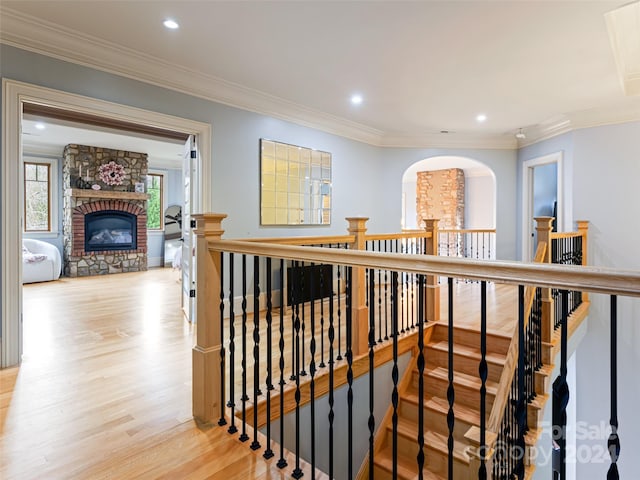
481	118
172	24
40	126
356	99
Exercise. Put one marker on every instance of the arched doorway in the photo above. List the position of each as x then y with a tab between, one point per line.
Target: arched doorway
470	183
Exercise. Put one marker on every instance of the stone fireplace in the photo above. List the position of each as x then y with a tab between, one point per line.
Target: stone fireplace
105	229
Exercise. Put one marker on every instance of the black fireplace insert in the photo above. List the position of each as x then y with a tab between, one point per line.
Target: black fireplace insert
110	230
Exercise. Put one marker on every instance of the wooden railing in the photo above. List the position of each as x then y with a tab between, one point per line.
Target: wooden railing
209	355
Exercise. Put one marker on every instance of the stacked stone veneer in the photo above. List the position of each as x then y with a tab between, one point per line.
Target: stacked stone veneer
440	194
87	159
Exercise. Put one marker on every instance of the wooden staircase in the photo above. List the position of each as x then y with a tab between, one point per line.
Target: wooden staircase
466	408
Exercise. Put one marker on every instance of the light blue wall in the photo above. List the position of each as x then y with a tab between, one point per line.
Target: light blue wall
605	179
357	181
602	175
545	189
367	180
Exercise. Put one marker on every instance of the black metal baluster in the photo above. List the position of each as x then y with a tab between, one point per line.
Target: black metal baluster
232	351
401	285
290	288
281	461
349	355
450	388
312	372
303	324
243	436
413	285
561	393
331	399
484	236
322	364
372	342
339	357
379	301
483	371
296	295
268	453
222	421
386	301
255	444
394	371
521	406
613	443
420	363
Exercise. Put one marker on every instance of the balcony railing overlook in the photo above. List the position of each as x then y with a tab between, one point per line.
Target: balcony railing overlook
304	336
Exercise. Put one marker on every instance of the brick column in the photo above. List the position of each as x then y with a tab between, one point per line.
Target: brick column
359	310
206	352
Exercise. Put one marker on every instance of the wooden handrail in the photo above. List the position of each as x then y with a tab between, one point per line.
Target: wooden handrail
556	235
394	236
318	240
509	369
468	230
571	277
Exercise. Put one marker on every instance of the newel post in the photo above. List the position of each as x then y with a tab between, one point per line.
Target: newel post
360	312
544	226
432	310
583	230
206	352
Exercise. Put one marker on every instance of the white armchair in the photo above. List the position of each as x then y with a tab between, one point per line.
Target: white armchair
42	270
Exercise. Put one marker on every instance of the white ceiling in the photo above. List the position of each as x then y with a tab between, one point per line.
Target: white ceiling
422	66
161	153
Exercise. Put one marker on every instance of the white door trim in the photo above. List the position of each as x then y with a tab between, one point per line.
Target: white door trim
527	198
14	95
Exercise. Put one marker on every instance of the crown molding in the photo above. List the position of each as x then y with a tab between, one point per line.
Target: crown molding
450	140
595	117
46	38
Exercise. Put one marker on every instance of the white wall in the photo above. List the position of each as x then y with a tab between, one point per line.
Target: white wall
479	195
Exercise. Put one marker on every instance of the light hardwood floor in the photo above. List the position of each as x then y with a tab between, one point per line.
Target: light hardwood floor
104	390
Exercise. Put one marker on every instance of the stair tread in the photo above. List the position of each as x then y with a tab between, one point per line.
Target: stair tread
441	405
546	369
467	351
539	401
462	379
384	460
432	440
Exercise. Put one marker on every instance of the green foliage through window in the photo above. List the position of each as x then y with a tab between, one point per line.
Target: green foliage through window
37	182
154	205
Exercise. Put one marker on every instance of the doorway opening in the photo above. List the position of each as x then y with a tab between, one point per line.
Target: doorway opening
16	96
542	196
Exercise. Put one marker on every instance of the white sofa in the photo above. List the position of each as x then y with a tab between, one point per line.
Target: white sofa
41	270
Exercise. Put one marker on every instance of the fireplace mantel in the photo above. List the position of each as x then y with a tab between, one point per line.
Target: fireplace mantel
91	193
